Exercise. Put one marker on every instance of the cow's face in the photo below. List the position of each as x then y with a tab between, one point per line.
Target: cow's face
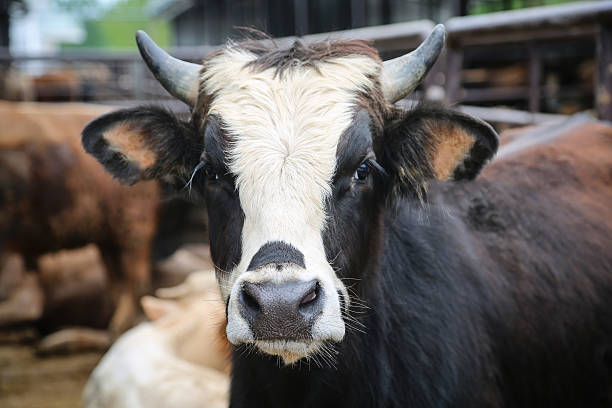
296	161
274	154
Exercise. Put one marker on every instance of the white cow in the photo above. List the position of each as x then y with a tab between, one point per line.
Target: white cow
180	359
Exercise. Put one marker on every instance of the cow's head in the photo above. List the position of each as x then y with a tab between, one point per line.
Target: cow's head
296	151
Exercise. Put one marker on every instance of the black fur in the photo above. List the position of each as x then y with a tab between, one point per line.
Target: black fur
222	201
277	252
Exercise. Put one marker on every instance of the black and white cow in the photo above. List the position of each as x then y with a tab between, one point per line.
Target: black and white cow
352	273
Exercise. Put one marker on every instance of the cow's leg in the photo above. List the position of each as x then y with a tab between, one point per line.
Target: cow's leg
116	288
25	303
135	280
129	278
133	233
12	272
21	296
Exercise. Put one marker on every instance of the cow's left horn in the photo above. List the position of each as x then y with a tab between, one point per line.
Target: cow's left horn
180	78
403	74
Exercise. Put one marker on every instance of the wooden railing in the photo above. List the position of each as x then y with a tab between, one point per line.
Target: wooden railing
532	33
534	29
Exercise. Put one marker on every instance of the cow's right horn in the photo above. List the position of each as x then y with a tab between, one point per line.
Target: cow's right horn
180	78
403	74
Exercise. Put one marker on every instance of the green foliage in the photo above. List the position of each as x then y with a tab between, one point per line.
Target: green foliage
489	6
115	27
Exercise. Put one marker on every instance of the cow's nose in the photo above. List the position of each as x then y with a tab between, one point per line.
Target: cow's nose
281	311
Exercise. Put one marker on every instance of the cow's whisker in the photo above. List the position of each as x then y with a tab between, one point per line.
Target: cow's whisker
195	170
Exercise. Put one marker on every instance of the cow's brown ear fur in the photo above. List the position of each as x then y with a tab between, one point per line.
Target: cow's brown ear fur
143	143
435	143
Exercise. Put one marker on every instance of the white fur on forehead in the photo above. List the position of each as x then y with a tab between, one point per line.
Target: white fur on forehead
285	128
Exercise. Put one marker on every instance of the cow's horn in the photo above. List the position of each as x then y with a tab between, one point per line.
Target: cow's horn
180	78
403	74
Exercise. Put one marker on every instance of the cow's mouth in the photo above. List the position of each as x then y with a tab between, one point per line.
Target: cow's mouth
290	350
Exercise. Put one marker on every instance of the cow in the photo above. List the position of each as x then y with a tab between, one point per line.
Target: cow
55	196
361	261
179	359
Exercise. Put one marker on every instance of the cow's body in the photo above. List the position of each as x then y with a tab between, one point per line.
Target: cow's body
163	363
359	263
513	310
54	196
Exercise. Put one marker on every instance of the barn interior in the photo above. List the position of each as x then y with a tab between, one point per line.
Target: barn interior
63	302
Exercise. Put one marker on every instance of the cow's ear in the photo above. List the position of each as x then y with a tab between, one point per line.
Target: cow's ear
155	308
435	143
143	143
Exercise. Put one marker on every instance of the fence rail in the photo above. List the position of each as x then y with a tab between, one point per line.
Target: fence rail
534	28
537	32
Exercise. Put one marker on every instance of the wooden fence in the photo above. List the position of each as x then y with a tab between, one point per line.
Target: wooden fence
534	34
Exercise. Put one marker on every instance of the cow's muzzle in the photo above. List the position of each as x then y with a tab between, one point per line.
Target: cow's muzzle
285	311
284	308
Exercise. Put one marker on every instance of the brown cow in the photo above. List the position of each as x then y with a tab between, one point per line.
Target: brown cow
55	196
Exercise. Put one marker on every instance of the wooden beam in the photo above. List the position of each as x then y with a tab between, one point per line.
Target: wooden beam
301	17
437	78
4	27
532	19
358	13
511	116
603	87
460	8
520	36
516	93
391	38
535	76
495	94
454	64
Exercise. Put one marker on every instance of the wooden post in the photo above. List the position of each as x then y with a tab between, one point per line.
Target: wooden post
436	77
300	10
454	63
4	26
385	11
358	13
603	86
535	76
460	8
138	77
262	16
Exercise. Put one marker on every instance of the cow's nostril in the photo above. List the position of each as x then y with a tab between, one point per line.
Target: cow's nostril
311	296
249	301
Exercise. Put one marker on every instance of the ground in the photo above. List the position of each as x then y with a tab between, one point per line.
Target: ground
29	381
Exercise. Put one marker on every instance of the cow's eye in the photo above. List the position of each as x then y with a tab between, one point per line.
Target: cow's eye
362	172
211	174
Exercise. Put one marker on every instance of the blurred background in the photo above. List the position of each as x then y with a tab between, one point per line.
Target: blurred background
65	266
532	58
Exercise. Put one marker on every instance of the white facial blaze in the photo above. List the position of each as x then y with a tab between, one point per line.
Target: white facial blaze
285	131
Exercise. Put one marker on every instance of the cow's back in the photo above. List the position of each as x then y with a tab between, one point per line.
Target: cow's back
54	195
551	192
540	225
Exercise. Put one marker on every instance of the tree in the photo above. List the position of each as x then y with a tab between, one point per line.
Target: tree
114	26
